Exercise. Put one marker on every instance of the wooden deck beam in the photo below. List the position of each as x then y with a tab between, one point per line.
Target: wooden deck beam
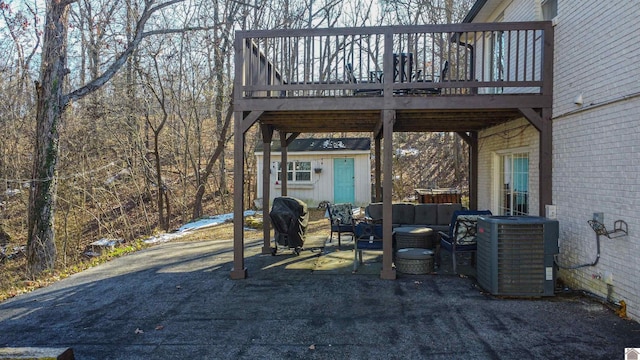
267	136
409	102
239	271
387	272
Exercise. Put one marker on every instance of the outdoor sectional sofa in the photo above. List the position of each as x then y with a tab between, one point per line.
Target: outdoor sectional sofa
434	216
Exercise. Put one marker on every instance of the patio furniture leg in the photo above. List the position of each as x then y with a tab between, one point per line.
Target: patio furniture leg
355	259
453	257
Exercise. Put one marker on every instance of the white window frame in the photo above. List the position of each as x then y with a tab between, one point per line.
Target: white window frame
295	169
498	183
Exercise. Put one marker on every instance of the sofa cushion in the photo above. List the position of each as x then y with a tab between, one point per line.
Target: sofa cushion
403	213
374	211
445	211
426	214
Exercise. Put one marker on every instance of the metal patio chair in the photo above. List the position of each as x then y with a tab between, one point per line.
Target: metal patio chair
342	220
461	236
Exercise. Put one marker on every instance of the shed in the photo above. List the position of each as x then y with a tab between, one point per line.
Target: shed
337	170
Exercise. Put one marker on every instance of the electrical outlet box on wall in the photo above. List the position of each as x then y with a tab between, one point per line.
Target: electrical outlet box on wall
551	211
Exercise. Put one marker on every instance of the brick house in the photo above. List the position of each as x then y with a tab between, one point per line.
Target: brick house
544	92
596	137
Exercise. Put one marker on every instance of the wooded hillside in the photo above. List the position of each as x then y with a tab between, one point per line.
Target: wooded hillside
142	143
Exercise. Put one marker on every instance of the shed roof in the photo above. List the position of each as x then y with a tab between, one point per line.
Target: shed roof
322	145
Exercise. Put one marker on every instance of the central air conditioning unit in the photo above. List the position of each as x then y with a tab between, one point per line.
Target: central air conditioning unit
515	255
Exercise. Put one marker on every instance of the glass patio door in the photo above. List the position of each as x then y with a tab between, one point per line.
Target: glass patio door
514	192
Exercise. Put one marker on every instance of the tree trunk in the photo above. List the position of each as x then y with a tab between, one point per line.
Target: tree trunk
41	247
197	204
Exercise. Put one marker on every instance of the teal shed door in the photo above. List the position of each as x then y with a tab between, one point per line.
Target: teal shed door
343	181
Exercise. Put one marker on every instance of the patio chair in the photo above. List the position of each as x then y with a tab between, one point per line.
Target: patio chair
436	91
368	237
375	77
461	236
342	221
403	67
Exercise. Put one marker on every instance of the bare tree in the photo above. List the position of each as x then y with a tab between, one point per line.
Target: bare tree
51	103
19	43
157	122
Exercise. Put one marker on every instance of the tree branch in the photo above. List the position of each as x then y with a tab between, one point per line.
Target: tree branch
177	31
67	2
98	82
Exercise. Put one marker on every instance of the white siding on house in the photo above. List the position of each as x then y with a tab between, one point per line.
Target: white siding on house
597	52
516	46
596	147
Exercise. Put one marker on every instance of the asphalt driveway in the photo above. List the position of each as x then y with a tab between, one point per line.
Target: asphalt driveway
176	301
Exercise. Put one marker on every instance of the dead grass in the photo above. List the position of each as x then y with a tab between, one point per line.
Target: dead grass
14	280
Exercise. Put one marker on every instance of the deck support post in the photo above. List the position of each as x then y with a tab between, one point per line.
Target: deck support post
473	170
387	273
285	141
267	136
542	122
471	139
546	162
239	271
241	124
283	164
378	169
545	182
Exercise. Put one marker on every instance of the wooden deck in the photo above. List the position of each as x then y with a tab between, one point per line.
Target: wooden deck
390	79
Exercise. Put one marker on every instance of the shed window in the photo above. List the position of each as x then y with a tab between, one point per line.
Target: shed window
296	171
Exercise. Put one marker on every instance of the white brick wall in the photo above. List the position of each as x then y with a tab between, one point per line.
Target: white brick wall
597	151
597	169
596	147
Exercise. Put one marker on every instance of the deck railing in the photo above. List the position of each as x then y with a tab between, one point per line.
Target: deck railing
489	58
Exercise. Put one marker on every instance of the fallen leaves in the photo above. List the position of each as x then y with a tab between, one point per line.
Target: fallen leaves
140	331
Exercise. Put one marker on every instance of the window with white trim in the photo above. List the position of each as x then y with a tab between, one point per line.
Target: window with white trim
514	181
296	171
